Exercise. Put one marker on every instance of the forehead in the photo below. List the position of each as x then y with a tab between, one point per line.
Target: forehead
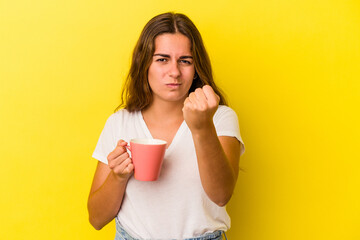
172	42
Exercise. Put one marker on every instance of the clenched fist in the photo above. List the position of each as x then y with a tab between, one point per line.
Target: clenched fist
200	107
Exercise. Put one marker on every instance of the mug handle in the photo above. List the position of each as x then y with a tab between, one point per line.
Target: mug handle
128	147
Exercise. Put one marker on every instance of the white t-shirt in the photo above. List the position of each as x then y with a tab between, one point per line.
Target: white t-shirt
176	205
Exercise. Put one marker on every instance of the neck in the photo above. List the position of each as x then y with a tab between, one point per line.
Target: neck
164	110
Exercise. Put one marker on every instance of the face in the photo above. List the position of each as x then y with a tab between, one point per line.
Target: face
172	68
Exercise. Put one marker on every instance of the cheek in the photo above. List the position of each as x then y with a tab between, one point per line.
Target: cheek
154	73
189	73
151	75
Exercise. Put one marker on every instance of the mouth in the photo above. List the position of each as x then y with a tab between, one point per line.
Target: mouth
173	85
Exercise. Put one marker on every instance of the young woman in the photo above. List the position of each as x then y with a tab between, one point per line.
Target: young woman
169	94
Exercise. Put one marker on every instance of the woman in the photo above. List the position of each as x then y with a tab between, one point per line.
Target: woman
169	94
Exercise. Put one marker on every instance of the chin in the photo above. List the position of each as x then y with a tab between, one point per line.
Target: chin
172	99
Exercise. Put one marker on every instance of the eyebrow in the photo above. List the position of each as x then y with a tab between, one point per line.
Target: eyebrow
168	56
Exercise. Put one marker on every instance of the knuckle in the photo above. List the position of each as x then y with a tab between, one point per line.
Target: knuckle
186	106
111	165
207	87
202	108
120	150
116	171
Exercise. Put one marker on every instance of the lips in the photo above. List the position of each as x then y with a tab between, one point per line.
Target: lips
173	85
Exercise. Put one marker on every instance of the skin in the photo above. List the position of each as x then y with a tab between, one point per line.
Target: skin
218	157
170	76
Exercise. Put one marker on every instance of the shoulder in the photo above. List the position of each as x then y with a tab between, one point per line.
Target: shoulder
227	124
224	112
121	116
124	113
224	108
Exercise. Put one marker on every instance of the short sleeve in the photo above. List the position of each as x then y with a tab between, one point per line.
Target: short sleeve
227	124
107	141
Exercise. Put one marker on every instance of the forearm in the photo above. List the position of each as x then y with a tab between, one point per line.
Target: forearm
218	177
104	203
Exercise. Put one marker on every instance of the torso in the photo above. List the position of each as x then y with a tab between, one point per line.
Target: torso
179	186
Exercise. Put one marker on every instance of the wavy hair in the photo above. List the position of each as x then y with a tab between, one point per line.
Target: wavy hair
136	93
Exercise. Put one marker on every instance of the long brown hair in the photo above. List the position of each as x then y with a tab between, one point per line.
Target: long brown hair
136	93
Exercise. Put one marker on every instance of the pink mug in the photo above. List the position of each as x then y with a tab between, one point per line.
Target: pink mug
147	156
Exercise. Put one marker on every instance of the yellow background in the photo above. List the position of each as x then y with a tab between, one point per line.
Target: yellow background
291	72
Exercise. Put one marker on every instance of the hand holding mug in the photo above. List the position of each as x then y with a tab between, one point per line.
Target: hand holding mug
200	107
119	161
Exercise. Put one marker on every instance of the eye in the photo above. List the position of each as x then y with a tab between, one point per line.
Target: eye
161	60
186	62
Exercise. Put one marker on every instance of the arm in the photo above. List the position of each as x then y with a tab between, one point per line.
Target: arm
218	160
218	157
108	187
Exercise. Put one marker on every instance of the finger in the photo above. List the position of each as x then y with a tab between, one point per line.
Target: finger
118	160
187	106
192	101
124	167
200	95
187	100
208	91
199	100
119	149
129	168
197	97
121	143
192	97
211	96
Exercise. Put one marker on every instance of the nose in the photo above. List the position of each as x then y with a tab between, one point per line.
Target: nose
174	70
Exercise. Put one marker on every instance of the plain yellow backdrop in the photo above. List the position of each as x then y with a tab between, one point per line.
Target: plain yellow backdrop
290	70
